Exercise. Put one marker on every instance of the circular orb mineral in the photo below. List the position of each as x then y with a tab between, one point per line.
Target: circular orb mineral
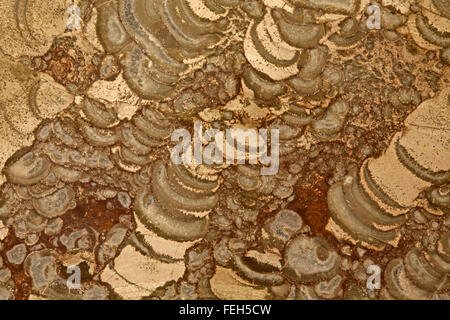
350	97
